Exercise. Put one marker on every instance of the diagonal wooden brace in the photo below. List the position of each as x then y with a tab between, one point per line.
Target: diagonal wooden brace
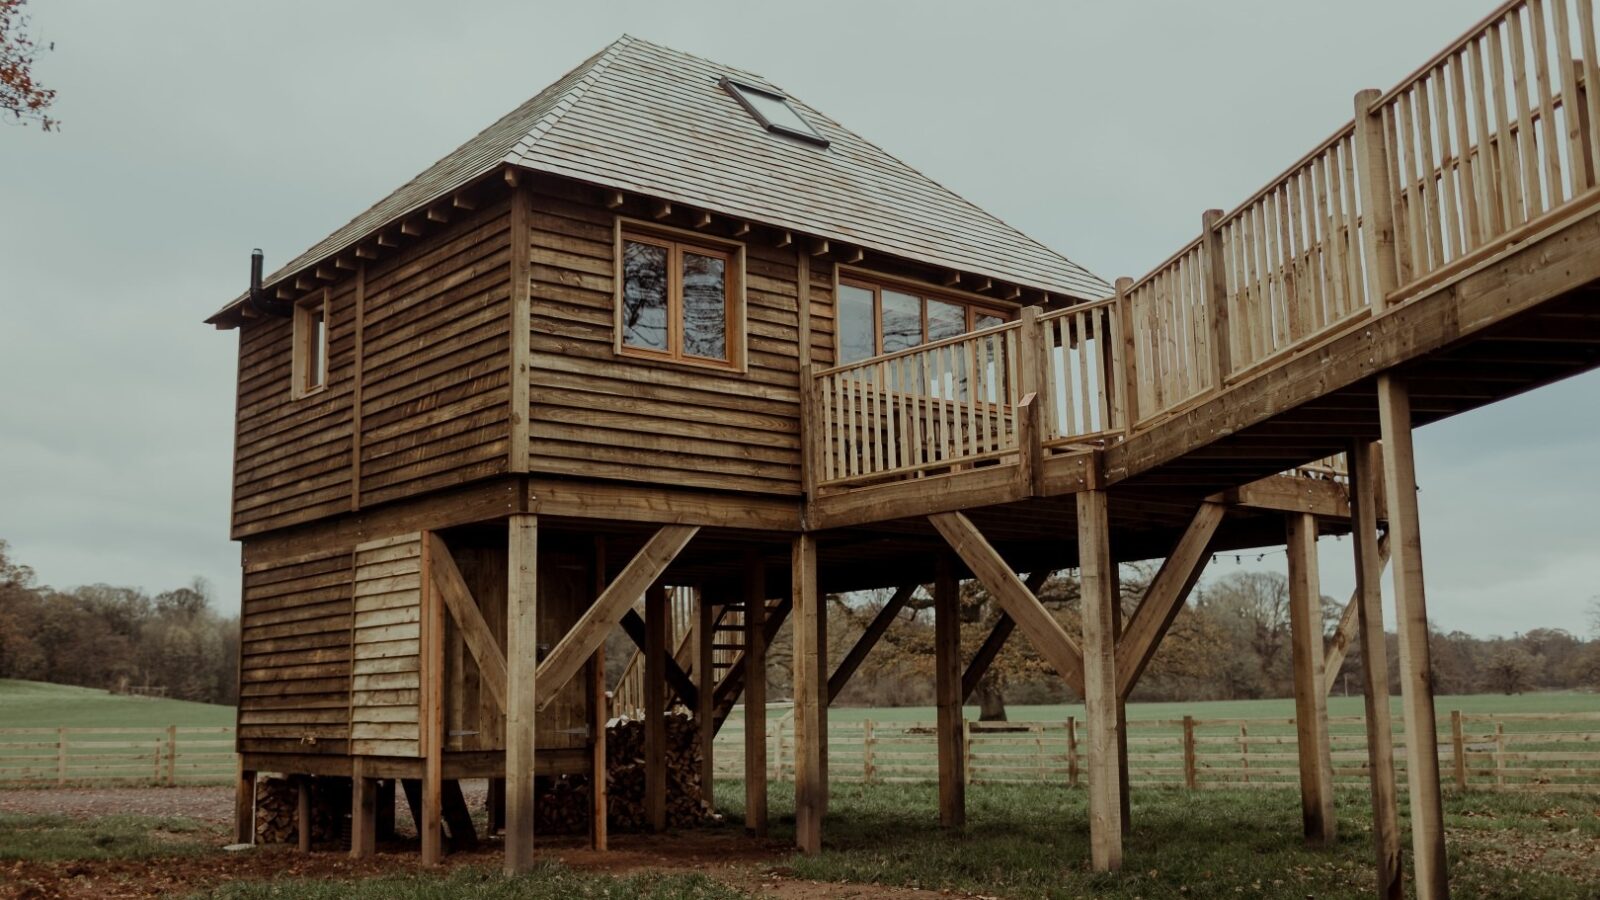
1042	629
464	610
574	650
1349	626
996	641
1165	597
869	639
633	624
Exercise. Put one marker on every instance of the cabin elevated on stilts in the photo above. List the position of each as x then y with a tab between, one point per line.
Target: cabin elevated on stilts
666	332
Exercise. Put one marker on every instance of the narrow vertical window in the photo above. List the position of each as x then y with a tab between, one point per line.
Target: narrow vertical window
679	301
310	367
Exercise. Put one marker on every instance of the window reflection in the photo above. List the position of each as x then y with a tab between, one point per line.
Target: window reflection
705	306
644	295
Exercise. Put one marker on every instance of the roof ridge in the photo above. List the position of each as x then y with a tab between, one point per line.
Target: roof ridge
596	66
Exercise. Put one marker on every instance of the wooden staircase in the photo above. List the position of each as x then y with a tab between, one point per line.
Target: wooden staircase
727	656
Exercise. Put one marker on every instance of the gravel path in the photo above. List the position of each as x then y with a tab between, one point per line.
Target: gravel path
207	804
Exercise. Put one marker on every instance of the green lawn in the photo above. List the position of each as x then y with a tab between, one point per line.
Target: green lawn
33	704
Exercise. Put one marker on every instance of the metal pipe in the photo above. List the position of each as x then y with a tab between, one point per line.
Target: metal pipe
258	297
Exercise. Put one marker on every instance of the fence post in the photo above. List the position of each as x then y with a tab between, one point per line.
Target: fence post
1189	772
1216	288
1244	751
1041	766
1072	752
869	743
1500	754
61	756
966	751
1458	749
156	779
172	755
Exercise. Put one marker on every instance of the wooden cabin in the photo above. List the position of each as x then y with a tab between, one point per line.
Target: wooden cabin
665	326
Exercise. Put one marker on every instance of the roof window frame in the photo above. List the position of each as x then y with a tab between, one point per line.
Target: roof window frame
738	89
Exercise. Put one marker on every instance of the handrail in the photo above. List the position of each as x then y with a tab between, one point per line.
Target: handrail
1486	140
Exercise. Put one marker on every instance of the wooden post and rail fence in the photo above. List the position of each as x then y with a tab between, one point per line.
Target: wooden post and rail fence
1507	752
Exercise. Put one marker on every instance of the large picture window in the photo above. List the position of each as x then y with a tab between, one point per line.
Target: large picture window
678	300
874	318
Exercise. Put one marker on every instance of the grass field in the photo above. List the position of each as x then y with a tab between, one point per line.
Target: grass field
32	704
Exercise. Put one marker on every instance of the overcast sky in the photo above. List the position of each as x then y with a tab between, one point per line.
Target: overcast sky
194	131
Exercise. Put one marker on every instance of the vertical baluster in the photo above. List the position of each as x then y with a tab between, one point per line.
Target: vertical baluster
1549	131
891	416
1527	140
1086	402
1101	335
1401	216
1311	281
1411	180
1444	198
1315	205
1571	112
1330	207
1260	278
1507	158
1070	421
1429	173
1352	226
1591	70
1293	250
1450	167
1013	385
966	391
979	391
828	427
1486	167
855	422
1467	178
1239	314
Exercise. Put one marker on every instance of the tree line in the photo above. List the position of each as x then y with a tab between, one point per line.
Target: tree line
121	639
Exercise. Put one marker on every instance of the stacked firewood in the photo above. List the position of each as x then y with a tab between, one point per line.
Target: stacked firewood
562	804
277	799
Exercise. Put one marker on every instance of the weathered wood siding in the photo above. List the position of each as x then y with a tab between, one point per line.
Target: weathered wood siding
294	691
435	394
292	456
433	378
385	640
596	413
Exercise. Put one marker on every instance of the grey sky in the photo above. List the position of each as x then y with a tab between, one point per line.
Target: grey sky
194	131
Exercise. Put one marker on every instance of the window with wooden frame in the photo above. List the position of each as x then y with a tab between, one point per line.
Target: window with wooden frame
680	297
310	369
878	317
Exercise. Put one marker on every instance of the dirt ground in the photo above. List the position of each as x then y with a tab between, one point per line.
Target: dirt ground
727	856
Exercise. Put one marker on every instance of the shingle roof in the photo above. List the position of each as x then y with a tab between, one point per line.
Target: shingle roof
644	118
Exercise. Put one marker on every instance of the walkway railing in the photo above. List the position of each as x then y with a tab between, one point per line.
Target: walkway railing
1492	139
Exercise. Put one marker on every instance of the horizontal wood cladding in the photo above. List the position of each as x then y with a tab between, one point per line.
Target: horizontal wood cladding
385	679
433	386
595	413
435	392
294	688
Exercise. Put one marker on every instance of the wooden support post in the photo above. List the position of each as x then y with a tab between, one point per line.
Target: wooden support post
522	659
598	826
657	621
1310	702
706	677
1377	204
302	813
363	811
1411	613
1191	774
1368	598
432	675
1458	750
809	786
947	694
1129	383
1124	789
172	756
755	695
1216	293
1100	682
244	805
1072	751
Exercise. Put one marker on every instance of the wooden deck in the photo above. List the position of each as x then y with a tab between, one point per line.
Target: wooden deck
1449	234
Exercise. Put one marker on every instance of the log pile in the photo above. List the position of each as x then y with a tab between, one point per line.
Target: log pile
562	803
277	799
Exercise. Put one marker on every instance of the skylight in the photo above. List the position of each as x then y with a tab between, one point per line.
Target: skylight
773	111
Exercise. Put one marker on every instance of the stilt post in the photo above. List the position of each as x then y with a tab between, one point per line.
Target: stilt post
657	621
809	685
705	676
1310	701
755	695
1363	465
431	666
522	642
302	812
947	693
363	811
1411	614
244	807
1100	683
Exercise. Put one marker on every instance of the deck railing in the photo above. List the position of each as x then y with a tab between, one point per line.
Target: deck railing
1494	138
943	405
